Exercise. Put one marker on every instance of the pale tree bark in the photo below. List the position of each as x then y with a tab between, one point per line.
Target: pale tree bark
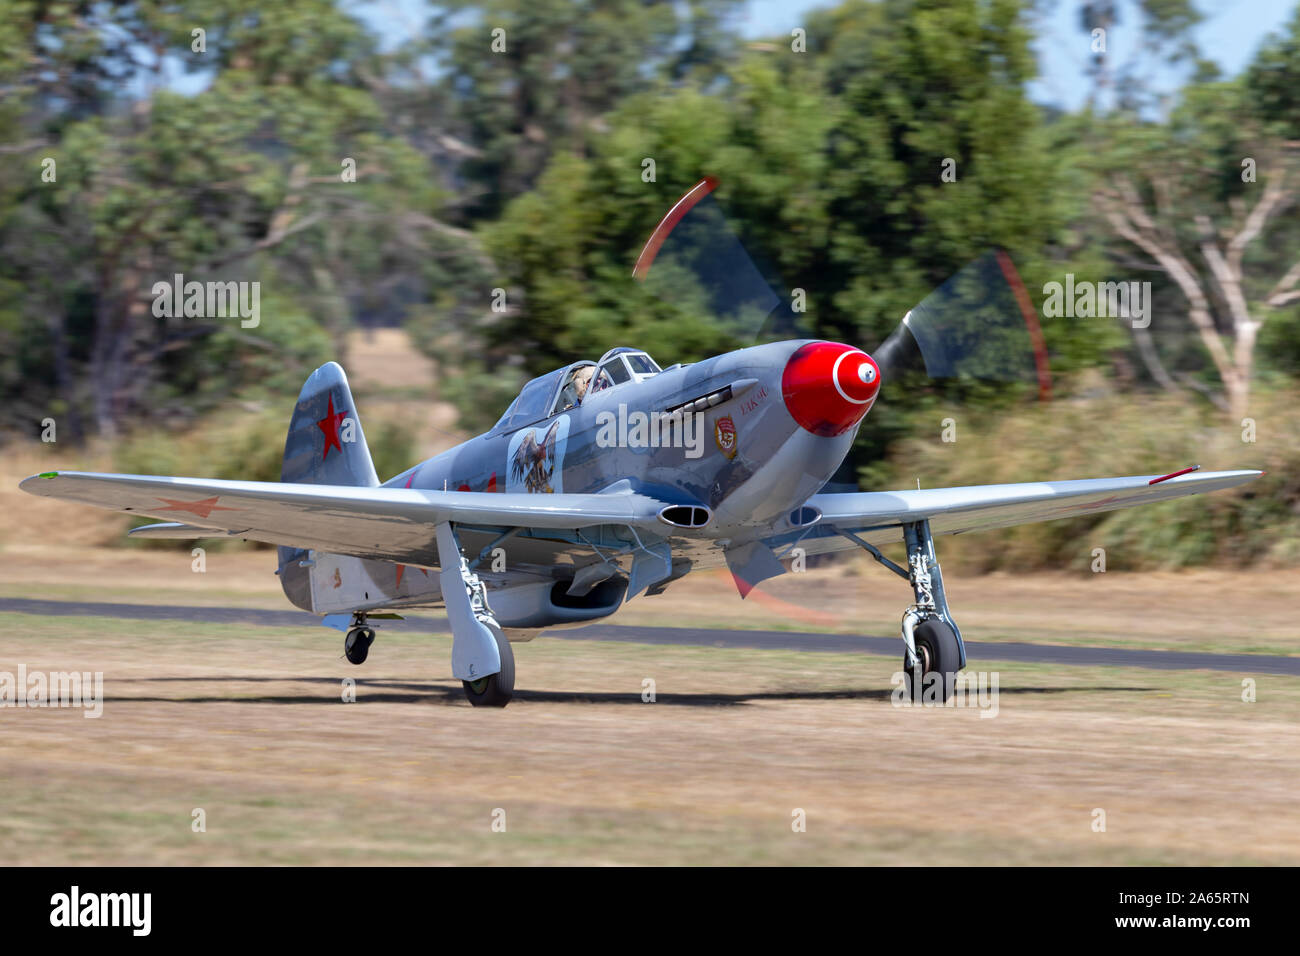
1223	282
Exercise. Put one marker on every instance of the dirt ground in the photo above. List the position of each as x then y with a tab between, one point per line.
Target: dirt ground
250	727
252	730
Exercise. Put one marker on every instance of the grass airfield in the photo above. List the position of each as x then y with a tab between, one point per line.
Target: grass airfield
250	726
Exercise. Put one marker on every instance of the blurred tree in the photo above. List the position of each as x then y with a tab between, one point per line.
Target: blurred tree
1163	29
1206	197
530	78
246	180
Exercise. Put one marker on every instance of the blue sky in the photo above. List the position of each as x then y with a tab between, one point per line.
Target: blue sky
1230	34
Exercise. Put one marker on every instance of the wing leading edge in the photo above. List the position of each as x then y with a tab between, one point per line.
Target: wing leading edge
391	524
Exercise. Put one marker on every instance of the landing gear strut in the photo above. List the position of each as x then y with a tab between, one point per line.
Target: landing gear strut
933	650
933	643
495	690
356	646
480	653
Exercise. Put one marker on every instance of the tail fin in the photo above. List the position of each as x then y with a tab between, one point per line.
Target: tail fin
325	446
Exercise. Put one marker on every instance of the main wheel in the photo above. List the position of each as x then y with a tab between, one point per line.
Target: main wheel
356	646
936	645
495	690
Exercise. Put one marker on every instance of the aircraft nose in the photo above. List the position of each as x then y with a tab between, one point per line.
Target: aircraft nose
828	386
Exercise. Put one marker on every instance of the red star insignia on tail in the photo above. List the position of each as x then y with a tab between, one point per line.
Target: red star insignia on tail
330	426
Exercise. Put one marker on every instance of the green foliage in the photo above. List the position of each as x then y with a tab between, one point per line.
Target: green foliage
543	83
240	182
1273	80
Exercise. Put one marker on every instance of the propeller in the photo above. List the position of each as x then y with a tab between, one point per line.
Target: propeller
978	324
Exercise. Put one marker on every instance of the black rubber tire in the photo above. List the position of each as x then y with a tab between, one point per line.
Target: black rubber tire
496	689
936	643
356	646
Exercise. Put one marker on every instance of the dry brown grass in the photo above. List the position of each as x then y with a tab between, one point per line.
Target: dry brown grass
252	729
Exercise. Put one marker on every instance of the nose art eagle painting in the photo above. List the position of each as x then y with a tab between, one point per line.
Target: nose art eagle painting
534	462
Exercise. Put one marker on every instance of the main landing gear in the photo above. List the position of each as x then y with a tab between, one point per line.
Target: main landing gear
494	690
933	651
480	653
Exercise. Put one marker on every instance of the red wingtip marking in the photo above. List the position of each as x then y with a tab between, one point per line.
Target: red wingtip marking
1174	474
743	586
668	222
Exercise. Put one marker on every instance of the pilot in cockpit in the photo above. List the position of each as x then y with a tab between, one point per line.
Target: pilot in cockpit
576	388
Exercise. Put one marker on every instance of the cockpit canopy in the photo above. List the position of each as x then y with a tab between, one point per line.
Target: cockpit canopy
623	365
565	388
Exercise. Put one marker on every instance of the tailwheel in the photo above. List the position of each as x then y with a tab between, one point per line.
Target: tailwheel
495	690
356	646
940	654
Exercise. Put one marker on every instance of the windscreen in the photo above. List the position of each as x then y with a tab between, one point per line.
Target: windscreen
533	402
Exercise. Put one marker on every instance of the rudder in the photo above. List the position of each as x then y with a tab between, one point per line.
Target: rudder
325	446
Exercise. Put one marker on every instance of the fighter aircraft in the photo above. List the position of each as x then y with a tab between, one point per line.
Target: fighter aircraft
602	481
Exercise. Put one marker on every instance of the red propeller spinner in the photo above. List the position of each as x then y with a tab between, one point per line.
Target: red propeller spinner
828	387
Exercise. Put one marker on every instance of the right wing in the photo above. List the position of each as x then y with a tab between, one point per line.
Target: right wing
980	507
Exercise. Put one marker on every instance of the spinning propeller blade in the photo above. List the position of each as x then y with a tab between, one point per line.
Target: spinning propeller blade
979	324
700	264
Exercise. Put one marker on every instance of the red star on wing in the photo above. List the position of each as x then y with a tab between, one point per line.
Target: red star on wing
330	426
201	508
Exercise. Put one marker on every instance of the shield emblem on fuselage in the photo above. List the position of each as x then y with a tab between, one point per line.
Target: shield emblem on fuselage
724	433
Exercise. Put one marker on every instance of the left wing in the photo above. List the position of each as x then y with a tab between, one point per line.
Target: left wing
391	524
980	507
